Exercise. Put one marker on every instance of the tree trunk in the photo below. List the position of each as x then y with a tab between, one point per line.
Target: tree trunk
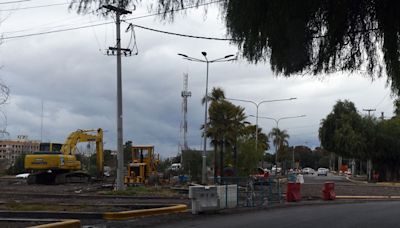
221	158
215	163
235	159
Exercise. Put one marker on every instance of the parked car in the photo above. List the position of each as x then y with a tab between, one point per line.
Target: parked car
322	172
308	170
22	175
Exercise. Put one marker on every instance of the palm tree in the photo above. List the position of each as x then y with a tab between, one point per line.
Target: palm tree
213	125
225	125
280	139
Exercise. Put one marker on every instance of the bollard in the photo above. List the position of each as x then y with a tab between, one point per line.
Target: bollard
328	192
293	192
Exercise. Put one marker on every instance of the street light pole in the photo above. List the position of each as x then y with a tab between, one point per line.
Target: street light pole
223	59
277	126
257	106
204	157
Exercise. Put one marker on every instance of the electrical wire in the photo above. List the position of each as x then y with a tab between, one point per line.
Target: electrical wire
106	23
180	34
54	31
34	7
380	102
12	2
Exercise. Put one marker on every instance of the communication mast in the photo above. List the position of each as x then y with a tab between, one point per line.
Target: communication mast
185	94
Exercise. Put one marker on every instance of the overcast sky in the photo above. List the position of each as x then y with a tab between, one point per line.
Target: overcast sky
70	73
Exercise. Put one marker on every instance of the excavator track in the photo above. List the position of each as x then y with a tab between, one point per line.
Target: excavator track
50	178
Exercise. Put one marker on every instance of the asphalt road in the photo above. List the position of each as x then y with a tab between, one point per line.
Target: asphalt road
372	214
315	179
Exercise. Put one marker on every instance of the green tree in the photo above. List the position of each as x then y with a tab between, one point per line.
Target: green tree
387	156
192	161
248	158
341	131
127	152
18	166
226	123
396	104
280	140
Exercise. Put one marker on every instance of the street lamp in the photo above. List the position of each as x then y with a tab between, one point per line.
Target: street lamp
222	59
257	105
277	126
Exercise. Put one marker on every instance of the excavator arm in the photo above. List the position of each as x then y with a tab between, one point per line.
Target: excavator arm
69	147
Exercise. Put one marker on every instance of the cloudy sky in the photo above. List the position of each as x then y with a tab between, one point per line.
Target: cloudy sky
70	74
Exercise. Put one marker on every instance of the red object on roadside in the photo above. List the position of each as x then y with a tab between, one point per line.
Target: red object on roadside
328	193
293	192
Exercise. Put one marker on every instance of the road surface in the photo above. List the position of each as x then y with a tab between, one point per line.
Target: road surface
315	179
372	214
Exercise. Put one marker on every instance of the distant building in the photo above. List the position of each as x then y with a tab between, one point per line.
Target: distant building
11	149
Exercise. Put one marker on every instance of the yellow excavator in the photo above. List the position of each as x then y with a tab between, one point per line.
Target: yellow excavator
57	167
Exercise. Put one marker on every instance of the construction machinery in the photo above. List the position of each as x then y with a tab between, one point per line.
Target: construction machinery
143	168
52	166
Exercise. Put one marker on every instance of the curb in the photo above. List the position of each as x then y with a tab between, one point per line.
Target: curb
382	184
123	215
71	223
369	197
355	181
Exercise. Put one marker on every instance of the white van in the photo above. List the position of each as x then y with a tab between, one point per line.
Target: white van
176	166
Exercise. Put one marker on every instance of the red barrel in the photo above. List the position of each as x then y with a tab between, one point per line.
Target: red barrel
328	192
293	192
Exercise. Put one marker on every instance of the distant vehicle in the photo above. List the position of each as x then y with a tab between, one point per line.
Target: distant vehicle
176	166
308	170
22	175
322	172
274	170
260	176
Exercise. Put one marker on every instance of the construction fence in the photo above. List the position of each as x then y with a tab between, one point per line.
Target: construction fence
253	192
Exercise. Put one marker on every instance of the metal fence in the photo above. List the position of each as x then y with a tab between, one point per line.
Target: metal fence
254	192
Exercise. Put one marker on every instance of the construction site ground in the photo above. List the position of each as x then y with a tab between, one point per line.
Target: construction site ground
95	197
17	195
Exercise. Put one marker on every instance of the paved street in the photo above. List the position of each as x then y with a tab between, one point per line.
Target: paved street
372	214
315	179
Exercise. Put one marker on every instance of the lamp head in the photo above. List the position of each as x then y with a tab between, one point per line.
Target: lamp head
204	53
228	56
183	55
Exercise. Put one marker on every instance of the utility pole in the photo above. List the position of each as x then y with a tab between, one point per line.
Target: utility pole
369	111
185	94
120	151
369	162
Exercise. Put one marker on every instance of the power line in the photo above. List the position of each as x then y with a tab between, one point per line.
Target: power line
106	23
54	31
12	2
35	7
180	34
380	102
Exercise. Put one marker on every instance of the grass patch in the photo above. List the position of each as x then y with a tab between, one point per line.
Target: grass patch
143	191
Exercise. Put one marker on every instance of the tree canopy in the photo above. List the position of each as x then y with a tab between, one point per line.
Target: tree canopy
341	131
308	36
